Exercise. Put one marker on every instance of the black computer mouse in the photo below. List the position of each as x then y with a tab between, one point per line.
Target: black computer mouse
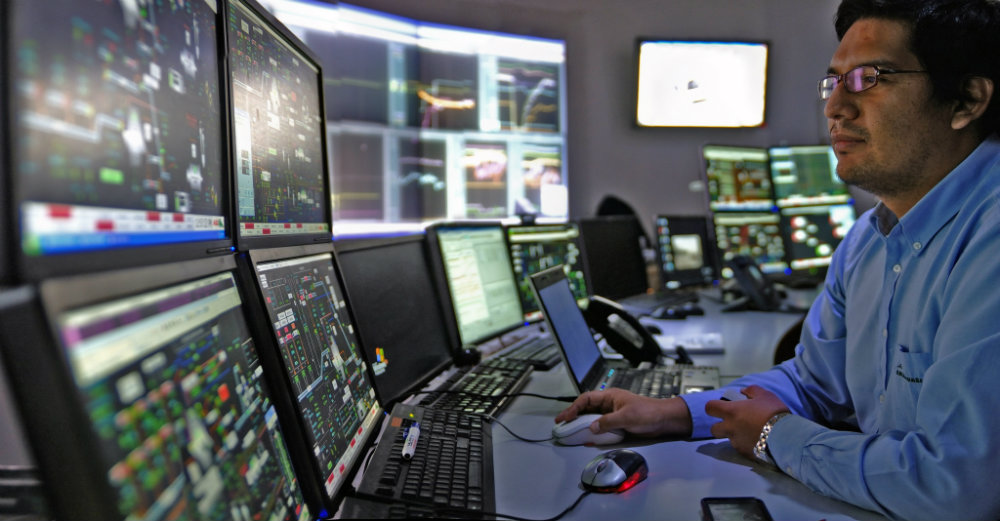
614	471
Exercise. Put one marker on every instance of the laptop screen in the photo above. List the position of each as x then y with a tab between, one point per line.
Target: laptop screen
567	323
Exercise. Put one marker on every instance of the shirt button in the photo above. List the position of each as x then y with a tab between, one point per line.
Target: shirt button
881	398
788	470
917	246
885	333
897	268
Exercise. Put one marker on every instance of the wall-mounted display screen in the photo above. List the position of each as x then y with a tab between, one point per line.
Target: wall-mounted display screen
430	121
700	83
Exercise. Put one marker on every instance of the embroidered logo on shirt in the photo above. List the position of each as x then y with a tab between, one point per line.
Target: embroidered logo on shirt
911	379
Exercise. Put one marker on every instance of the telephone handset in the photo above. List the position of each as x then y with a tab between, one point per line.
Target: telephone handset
622	331
758	292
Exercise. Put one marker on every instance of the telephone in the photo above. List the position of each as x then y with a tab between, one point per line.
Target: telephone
758	292
622	331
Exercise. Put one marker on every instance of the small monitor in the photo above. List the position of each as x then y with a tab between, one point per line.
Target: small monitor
756	235
278	132
397	310
114	131
534	248
700	83
686	251
320	358
806	175
165	405
614	256
738	178
477	271
813	232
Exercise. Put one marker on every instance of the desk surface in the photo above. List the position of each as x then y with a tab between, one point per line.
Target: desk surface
539	480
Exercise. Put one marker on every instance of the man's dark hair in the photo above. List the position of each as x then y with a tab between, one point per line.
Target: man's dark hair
953	39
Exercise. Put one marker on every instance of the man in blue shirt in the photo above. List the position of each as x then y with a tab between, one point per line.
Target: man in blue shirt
891	402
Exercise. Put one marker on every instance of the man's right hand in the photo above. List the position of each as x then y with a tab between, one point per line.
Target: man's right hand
636	414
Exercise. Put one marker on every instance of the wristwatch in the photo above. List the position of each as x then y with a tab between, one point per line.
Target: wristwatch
760	449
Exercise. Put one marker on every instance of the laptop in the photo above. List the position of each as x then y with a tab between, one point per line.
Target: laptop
591	371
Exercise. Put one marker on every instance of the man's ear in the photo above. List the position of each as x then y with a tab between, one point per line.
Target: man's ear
979	92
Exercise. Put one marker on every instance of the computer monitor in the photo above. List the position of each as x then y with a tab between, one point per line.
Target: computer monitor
806	175
756	235
473	260
614	256
305	324
397	310
686	251
278	132
738	178
114	132
813	232
150	401
534	248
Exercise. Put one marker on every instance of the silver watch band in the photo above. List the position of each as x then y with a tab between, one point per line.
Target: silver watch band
760	448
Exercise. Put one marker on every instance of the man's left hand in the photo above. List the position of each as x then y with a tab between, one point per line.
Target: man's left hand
742	420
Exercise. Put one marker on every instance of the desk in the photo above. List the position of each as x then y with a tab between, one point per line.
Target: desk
539	480
749	337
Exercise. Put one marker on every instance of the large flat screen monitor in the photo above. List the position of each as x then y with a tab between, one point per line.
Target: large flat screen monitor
278	132
158	386
320	361
534	248
738	178
806	175
686	251
114	126
479	278
700	83
398	312
756	235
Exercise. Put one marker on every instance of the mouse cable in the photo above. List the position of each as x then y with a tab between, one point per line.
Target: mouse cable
493	419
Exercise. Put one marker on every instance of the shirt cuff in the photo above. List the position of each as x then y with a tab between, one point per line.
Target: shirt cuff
701	423
785	442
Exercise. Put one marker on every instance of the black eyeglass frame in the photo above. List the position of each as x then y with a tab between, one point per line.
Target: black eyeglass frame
836	79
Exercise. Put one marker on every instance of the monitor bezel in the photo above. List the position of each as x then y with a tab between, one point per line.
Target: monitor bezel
440	274
637	73
292	422
773	207
578	240
342	246
710	256
240	242
25	268
55	420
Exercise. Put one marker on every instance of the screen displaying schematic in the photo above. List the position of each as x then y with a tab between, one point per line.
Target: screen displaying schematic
539	247
117	127
278	131
171	382
323	360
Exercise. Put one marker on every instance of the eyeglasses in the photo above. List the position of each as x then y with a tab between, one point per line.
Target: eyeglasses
856	80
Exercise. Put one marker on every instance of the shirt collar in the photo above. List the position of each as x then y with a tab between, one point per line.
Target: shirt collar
938	206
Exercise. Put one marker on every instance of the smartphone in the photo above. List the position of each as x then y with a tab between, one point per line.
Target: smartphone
734	509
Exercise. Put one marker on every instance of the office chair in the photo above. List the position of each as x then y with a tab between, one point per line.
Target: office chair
785	349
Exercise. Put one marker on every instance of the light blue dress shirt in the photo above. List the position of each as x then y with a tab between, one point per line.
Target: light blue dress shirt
895	387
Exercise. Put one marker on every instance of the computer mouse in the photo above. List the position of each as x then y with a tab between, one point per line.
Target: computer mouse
577	432
614	471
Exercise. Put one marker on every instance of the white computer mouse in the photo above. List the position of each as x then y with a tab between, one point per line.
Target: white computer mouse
577	432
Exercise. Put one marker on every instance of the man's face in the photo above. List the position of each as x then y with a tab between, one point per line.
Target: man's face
887	137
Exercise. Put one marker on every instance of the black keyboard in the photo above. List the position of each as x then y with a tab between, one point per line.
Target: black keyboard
646	303
451	468
481	389
540	351
645	382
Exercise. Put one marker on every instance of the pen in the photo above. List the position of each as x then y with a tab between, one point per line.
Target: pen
410	445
